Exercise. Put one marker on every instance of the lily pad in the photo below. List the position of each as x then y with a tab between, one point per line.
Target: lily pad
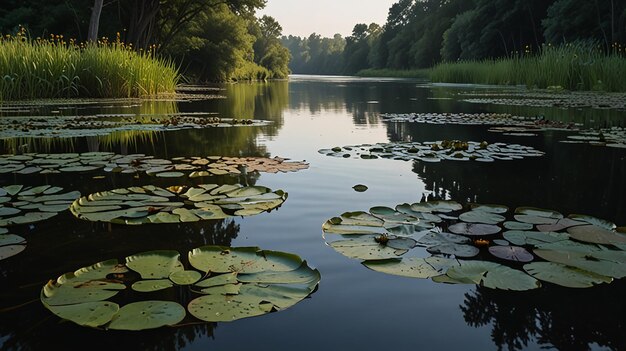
512	225
242	282
596	235
594	221
519	237
512	253
25	205
150	204
422	268
558	226
360	188
11	245
473	229
492	275
563	275
481	216
147	315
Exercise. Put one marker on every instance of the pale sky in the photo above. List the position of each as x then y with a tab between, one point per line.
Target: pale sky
326	17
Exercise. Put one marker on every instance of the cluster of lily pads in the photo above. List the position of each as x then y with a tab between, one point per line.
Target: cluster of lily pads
82	126
194	167
437	151
550	99
176	204
495	119
611	137
482	244
21	204
224	284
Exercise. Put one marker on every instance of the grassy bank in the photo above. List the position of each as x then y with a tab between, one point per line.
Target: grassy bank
572	67
34	69
393	73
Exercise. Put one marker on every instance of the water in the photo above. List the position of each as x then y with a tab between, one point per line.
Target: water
354	308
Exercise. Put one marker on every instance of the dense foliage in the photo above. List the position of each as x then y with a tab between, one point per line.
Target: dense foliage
423	33
209	39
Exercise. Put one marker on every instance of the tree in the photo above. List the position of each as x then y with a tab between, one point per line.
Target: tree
94	23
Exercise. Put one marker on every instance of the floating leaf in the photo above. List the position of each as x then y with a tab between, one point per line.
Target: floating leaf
594	221
155	264
511	253
89	314
185	277
518	237
586	261
473	229
413	267
360	188
152	285
530	219
560	225
538	212
480	216
563	275
147	315
242	260
500	209
150	204
368	247
512	225
25	205
596	235
492	275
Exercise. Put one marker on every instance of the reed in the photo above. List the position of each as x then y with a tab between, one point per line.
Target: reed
55	68
580	66
394	73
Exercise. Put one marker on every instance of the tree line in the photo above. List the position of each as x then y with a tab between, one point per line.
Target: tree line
423	33
211	40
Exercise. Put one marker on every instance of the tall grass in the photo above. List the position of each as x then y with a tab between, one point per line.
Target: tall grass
422	73
572	66
54	68
250	71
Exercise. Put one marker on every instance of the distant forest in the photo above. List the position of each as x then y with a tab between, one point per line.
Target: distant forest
422	33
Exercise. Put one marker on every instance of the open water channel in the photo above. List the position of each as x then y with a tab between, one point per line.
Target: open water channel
353	308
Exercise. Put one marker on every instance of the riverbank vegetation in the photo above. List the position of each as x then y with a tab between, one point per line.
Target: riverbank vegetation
54	68
568	43
207	40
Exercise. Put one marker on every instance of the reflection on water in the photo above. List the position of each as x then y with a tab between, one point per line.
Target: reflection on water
308	114
559	318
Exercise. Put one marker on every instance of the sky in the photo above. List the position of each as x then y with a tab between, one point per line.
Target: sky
325	17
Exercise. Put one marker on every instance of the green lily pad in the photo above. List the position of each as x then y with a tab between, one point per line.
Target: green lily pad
265	281
185	277
219	259
519	237
585	261
538	212
25	205
147	315
492	275
563	275
480	216
512	253
499	209
155	264
360	188
152	285
596	235
422	268
558	226
473	229
531	219
368	247
512	225
89	314
593	221
436	206
437	151
11	245
150	204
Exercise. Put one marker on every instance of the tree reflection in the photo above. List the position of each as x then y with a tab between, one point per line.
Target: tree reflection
553	317
31	327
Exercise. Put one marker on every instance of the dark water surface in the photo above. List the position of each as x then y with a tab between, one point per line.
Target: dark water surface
354	308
